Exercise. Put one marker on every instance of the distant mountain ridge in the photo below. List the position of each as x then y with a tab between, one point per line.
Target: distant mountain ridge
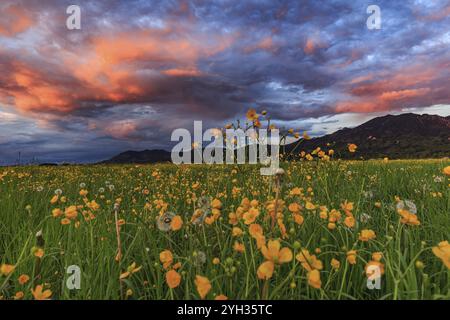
404	136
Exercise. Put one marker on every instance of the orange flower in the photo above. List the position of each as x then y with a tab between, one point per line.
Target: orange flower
23	279
442	251
166	258
265	270
314	279
252	115
376	256
367	235
221	297
71	212
57	213
237	232
446	171
351	256
298	219
272	252
250	216
173	279
203	286
38	252
335	264
19	295
352	147
7	269
308	261
256	232
408	218
54	199
349	221
65	221
40	294
176	223
239	247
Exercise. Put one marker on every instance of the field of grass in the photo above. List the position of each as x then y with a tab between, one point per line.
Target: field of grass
191	232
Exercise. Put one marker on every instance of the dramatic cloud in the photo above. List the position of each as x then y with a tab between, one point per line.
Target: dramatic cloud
138	69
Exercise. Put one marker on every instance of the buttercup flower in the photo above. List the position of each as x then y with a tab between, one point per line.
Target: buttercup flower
203	286
173	279
40	294
442	251
367	235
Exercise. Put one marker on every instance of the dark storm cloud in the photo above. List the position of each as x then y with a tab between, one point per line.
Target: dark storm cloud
139	69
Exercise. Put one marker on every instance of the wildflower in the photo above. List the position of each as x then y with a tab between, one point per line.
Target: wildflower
239	247
352	147
166	258
216	261
250	216
203	286
252	115
54	199
65	221
23	279
335	264
83	192
351	256
199	257
367	235
274	255
314	279
310	206
38	252
446	171
237	232
349	221
256	232
442	251
221	297
40	294
376	256
130	270
408	218
19	295
173	279
7	269
57	213
177	223
71	212
309	262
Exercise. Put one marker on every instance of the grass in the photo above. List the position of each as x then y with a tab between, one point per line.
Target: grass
411	270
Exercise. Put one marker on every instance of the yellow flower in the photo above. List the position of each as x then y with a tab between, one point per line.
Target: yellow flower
309	262
352	147
250	216
7	269
367	235
57	213
376	256
173	279
265	270
252	115
71	212
40	294
23	279
310	206
19	295
176	223
130	270
216	261
239	247
335	264
54	199
237	232
442	251
314	279
272	252
351	256
203	286
408	218
446	171
166	258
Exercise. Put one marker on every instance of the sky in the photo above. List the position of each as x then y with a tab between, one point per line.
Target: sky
137	70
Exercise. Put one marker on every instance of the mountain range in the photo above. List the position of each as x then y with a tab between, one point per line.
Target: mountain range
403	136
